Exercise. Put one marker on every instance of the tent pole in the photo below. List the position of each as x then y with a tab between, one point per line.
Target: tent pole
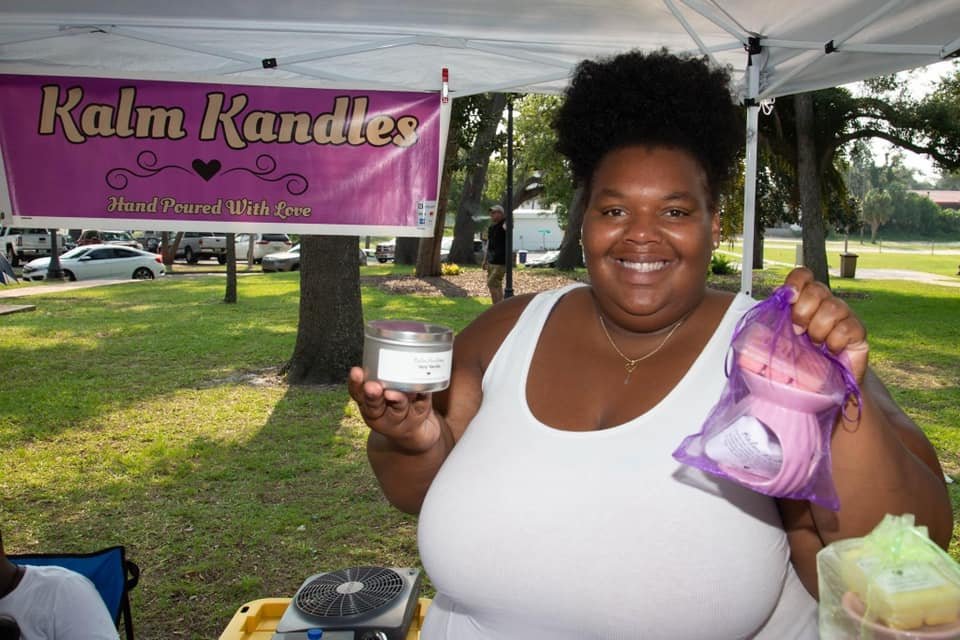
749	198
508	286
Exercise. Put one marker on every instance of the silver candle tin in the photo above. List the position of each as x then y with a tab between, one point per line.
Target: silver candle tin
408	355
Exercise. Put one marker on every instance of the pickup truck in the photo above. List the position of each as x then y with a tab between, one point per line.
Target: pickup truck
195	245
21	244
385	251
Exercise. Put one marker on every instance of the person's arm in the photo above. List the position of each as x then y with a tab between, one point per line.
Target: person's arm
411	434
882	462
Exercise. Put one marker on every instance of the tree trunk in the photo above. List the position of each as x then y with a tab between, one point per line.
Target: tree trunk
808	183
230	296
251	241
428	256
406	251
330	329
54	271
571	255
478	160
168	248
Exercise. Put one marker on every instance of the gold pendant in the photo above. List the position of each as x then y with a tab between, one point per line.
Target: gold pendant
630	366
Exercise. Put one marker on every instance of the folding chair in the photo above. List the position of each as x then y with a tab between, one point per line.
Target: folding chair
108	569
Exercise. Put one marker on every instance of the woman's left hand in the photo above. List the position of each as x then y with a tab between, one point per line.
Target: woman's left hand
827	319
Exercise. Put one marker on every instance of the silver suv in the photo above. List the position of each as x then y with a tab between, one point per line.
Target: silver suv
263	244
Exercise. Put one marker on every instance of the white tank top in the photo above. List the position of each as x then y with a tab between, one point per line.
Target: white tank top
535	533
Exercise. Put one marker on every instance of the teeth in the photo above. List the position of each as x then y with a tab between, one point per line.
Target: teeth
644	267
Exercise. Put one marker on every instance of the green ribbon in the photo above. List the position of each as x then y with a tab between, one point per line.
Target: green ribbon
897	542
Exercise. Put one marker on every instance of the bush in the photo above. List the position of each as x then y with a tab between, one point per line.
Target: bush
720	265
450	269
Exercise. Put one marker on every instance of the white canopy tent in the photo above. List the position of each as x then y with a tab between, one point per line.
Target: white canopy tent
495	45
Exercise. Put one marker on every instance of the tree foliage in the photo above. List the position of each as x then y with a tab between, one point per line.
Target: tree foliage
877	209
472	135
535	153
928	126
474	166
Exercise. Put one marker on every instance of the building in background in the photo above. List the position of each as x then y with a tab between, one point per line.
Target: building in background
535	229
943	199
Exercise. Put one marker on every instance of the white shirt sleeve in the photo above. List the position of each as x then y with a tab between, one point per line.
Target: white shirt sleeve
79	612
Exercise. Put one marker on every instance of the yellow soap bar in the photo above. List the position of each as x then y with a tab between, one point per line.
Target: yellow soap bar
855	567
912	596
904	598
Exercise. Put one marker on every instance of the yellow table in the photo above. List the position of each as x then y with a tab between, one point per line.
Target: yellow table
257	619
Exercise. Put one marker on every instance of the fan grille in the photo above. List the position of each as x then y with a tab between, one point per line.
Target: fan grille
349	591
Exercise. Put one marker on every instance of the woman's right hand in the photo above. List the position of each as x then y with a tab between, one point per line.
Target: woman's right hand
407	420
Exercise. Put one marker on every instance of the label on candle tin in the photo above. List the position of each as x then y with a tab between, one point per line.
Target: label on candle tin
414	367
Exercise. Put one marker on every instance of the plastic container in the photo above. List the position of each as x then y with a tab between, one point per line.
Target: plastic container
258	619
408	355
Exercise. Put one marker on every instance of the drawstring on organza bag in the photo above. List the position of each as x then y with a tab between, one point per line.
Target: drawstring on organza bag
770	431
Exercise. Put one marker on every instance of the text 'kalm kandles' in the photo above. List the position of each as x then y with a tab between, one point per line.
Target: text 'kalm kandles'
347	123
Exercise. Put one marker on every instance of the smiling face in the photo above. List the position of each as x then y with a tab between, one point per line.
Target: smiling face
648	232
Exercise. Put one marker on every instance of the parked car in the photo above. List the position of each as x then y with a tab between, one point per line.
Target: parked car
196	245
385	251
263	244
447	242
96	236
99	261
21	244
546	259
366	255
150	240
282	260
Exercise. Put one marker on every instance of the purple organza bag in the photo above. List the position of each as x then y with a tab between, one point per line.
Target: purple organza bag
770	431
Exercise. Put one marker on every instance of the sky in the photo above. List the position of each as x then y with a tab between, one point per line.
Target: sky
921	82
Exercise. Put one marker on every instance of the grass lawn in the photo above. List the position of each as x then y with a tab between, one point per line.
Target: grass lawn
150	414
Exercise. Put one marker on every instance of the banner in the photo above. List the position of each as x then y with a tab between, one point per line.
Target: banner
171	156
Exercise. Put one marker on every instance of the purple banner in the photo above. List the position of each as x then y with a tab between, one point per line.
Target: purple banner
137	154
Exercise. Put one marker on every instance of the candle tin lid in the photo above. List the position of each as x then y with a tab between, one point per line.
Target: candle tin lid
410	332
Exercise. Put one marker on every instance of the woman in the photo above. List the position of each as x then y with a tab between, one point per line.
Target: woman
558	511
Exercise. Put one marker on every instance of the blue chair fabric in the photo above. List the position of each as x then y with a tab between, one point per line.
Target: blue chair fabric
111	572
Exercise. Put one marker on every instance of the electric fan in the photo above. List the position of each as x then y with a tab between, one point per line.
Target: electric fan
357	603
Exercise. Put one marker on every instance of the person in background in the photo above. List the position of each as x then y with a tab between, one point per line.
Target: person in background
495	260
52	603
549	503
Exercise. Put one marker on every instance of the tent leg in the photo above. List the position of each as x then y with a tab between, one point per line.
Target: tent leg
749	199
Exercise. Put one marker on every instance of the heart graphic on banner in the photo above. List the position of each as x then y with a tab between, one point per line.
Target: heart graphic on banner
206	170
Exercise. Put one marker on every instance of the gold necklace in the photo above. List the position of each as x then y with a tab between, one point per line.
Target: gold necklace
631	363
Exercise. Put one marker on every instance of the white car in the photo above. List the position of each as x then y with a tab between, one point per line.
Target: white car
282	260
263	244
545	259
99	261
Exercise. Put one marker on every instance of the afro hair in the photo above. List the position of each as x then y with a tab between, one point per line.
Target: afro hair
654	98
